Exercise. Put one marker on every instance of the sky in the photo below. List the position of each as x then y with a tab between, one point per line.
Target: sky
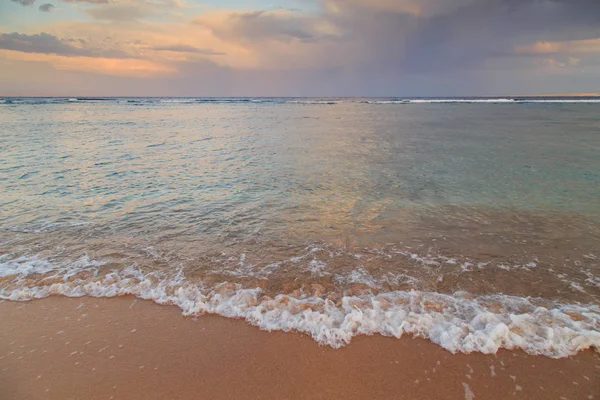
299	47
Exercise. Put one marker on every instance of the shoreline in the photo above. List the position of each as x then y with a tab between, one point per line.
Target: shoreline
68	348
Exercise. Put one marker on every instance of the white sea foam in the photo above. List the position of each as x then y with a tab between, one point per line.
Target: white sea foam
559	100
317	267
461	101
362	276
484	101
458	322
307	101
386	101
23	267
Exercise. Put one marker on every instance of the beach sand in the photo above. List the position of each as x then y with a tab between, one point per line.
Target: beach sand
123	348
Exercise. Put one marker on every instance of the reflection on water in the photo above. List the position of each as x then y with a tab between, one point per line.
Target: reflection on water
200	185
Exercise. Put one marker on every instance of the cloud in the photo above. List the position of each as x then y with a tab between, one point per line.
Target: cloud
45	43
393	42
46	7
405	37
119	12
420	8
591	46
25	2
187	49
91	66
278	25
130	10
338	47
87	1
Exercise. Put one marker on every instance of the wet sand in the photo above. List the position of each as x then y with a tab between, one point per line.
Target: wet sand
123	348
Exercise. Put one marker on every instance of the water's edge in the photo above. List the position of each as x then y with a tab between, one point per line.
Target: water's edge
458	322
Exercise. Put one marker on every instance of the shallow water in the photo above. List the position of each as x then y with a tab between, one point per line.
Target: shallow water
332	217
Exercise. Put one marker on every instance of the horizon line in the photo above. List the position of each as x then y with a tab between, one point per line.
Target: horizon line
595	94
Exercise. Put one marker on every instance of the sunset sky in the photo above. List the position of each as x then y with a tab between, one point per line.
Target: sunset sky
298	47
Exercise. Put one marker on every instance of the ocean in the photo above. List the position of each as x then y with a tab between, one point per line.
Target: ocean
473	223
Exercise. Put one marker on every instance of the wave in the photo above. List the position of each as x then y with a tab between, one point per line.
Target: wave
316	101
500	101
303	101
385	101
434	101
33	101
483	101
458	322
558	101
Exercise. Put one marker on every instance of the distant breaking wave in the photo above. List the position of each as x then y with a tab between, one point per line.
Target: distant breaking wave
300	101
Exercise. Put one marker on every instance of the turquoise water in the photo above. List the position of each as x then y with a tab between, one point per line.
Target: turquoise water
113	163
489	198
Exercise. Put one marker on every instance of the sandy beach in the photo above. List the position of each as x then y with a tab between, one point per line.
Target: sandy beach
124	348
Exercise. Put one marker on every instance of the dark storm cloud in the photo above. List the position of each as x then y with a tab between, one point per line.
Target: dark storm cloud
426	46
187	49
484	29
419	36
46	7
438	35
49	44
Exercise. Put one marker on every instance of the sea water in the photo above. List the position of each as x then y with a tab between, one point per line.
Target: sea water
474	223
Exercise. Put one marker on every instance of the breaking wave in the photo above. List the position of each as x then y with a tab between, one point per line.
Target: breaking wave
458	322
300	101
